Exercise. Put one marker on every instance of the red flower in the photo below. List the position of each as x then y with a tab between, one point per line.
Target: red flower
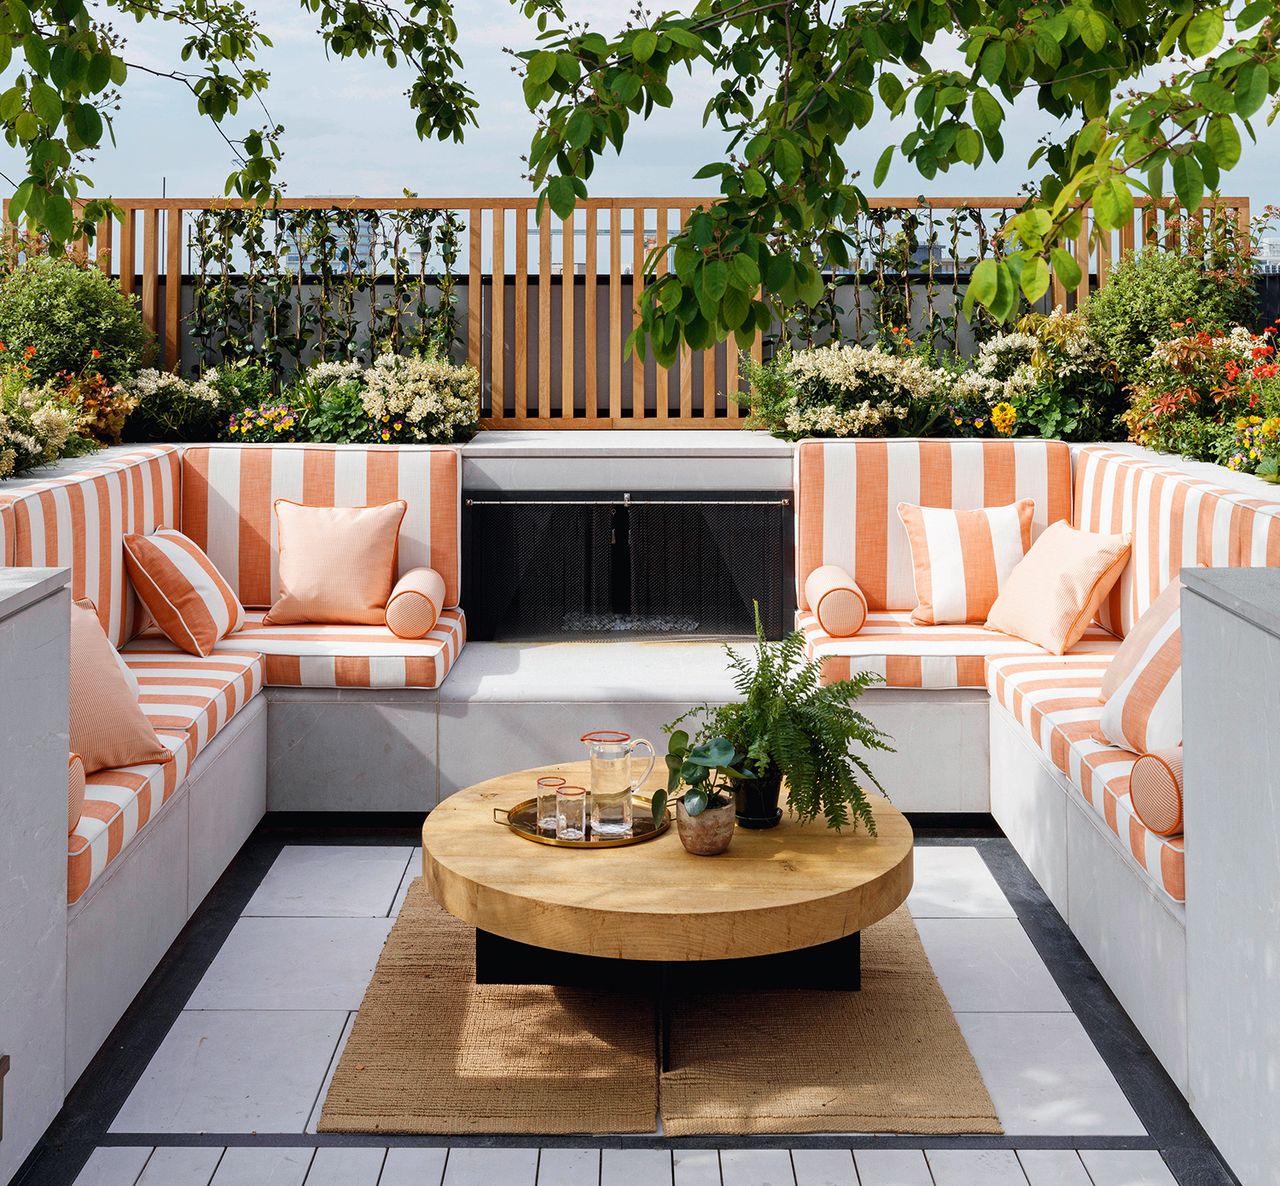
1263	351
30	352
95	353
1266	370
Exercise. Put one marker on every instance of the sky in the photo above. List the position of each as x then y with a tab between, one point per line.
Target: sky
349	130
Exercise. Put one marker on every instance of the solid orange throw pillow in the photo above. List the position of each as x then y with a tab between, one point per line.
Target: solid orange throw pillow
337	564
1054	592
108	728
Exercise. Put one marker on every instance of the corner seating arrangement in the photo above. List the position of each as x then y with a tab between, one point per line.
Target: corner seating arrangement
982	721
1058	790
164	832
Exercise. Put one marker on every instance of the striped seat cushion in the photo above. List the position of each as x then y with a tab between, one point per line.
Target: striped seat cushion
187	699
312	656
911	656
1057	699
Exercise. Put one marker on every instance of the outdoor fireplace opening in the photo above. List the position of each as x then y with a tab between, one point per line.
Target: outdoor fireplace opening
541	566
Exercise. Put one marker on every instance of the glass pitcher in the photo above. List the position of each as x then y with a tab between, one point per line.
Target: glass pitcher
613	780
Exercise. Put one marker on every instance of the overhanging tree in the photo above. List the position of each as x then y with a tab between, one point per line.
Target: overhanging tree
1152	97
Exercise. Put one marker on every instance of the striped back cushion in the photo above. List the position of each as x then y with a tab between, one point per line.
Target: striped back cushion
847	494
229	493
1177	521
6	534
79	519
1142	690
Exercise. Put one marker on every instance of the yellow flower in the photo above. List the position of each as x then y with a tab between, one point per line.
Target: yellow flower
1004	418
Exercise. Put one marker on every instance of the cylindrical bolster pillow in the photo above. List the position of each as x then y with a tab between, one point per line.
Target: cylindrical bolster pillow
75	791
1155	788
836	600
415	603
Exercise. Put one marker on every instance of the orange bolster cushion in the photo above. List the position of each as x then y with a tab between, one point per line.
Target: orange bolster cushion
836	600
415	603
1155	789
75	791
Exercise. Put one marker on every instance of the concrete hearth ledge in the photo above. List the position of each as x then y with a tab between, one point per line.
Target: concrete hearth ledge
21	587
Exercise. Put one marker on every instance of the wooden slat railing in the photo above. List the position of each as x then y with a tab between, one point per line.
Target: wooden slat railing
574	375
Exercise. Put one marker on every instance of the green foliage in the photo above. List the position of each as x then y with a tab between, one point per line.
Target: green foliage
171	408
330	398
67	312
707	770
788	721
242	384
1151	291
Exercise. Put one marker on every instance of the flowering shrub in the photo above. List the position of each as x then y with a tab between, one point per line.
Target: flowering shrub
330	397
1199	386
842	391
1257	447
104	406
168	407
420	398
37	424
264	424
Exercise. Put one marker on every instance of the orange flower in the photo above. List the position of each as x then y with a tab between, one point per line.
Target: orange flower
3	348
30	352
95	353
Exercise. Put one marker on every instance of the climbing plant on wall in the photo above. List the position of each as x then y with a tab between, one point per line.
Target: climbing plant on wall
286	287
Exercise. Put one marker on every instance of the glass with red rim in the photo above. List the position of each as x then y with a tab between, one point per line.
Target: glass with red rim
571	813
546	792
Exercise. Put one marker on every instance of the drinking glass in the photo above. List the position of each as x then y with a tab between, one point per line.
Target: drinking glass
613	780
546	809
571	813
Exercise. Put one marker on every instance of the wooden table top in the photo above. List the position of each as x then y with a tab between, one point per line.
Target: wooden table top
775	890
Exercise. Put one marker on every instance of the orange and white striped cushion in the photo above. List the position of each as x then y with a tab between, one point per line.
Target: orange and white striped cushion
909	656
1053	594
229	493
182	590
847	494
415	603
78	520
1177	521
963	558
187	699
1057	700
1155	786
838	603
312	656
1142	691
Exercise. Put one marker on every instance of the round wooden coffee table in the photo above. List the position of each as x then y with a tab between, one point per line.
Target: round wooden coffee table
782	908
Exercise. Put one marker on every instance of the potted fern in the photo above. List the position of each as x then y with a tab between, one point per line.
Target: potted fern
792	726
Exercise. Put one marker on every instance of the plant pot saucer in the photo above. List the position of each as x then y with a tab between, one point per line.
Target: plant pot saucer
758	823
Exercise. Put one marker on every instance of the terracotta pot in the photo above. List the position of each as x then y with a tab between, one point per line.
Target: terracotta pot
706	834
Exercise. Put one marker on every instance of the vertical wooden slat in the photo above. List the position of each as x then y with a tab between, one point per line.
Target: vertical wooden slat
125	261
102	250
544	313
615	312
1104	257
590	356
475	295
151	269
498	328
521	358
1149	214
686	355
730	372
638	393
1127	236
1082	258
173	287
709	382
662	375
567	383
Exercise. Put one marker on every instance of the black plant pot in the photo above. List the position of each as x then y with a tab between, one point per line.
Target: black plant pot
756	800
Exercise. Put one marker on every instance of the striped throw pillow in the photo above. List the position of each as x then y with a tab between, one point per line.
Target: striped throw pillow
963	558
184	593
1142	687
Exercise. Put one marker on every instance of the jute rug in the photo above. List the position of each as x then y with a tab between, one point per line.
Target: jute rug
432	1052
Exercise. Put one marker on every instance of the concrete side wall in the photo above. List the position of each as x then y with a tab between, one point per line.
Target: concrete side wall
1231	703
34	628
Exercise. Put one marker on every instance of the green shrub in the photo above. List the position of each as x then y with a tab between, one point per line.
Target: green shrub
1151	291
67	311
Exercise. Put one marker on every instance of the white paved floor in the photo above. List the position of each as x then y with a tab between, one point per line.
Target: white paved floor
252	1052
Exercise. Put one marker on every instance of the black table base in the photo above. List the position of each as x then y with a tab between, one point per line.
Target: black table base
834	966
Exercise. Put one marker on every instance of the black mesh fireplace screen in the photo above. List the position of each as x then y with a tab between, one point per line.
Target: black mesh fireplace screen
544	566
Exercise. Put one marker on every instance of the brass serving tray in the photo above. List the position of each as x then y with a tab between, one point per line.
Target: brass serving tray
522	819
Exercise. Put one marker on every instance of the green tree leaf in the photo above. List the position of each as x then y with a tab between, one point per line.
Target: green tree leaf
1223	137
1065	268
644	46
1188	182
1204	32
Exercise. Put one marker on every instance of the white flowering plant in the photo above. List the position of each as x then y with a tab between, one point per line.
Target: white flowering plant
329	398
38	425
421	398
842	390
171	408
